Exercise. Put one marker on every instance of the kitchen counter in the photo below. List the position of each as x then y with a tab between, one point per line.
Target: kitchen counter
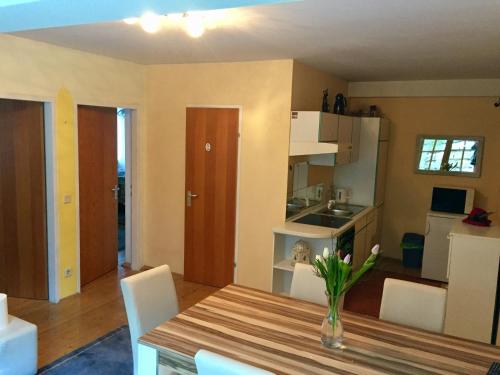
464	229
313	231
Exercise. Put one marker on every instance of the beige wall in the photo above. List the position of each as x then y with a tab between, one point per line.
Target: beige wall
408	194
308	86
263	90
44	72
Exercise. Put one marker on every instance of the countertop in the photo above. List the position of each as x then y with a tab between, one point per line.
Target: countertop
313	231
463	229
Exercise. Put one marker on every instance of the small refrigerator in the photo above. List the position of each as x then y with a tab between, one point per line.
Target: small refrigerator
437	244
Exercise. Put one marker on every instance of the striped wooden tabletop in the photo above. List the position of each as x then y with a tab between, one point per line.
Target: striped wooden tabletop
282	335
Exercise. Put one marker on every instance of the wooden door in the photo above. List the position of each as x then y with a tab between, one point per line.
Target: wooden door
211	167
97	162
23	238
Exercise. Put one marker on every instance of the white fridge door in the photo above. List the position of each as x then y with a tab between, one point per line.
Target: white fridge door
436	248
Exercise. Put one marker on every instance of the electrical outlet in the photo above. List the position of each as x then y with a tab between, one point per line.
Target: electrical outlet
68	272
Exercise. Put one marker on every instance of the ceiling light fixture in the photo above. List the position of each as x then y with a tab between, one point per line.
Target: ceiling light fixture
131	20
150	22
194	25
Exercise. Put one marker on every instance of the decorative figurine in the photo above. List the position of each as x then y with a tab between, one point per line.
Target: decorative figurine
325	106
301	253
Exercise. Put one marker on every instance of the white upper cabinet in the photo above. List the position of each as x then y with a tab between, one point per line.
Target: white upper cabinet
316	133
313	133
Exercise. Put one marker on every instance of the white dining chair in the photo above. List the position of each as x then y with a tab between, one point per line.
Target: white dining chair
413	304
18	347
208	363
307	286
150	299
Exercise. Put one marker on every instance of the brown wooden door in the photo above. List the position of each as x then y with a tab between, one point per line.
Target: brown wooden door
211	167
23	238
97	162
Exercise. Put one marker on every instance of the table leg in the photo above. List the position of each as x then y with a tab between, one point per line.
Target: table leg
147	360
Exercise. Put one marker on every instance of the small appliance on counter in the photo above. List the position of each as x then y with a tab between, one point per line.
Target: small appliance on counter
341	195
340	104
454	200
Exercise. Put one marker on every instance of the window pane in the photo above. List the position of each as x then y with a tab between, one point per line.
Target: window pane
470	144
455	155
467	166
458	144
428	144
425	159
440	144
437	158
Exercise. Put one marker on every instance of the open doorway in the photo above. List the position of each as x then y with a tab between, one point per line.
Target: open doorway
123	173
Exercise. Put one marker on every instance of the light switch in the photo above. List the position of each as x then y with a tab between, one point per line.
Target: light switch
67	199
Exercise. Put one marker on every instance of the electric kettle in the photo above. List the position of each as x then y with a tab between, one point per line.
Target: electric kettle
340	104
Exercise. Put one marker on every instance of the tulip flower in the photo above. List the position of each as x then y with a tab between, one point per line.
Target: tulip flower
375	249
347	259
318	257
326	253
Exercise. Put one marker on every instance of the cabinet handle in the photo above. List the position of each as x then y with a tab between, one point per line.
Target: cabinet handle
428	229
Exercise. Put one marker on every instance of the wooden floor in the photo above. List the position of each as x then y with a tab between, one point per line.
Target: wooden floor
82	318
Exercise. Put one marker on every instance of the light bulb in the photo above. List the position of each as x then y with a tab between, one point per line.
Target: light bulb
150	22
131	20
194	26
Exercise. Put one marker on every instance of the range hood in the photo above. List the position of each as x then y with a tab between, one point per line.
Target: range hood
313	133
312	148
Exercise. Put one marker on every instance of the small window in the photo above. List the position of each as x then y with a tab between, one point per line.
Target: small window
449	155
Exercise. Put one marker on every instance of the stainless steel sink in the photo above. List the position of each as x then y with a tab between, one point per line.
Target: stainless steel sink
336	212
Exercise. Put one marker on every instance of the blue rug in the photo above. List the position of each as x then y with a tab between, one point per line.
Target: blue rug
109	354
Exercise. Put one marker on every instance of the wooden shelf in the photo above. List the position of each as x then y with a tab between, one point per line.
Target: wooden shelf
284	265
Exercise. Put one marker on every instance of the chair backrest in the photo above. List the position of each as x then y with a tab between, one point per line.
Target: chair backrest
412	304
150	299
208	363
307	286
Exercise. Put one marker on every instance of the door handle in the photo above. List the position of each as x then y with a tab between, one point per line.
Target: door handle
189	198
115	190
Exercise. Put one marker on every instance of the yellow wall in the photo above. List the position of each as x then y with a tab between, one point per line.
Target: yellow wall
308	86
263	89
38	71
408	195
65	138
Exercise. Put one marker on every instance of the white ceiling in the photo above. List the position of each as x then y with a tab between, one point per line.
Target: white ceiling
358	40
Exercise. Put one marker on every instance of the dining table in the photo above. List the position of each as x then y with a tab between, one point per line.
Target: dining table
282	335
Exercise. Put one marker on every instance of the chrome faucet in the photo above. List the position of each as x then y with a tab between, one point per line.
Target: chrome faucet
331	204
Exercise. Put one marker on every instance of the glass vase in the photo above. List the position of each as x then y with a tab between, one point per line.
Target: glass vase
332	330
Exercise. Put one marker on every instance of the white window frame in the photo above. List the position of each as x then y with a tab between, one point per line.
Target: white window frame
447	151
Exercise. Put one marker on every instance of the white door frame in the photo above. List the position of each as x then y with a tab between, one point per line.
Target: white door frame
238	174
132	180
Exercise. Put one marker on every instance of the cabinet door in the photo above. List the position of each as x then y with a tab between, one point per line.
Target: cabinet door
345	133
383	150
378	225
359	249
328	127
356	132
371	240
343	156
